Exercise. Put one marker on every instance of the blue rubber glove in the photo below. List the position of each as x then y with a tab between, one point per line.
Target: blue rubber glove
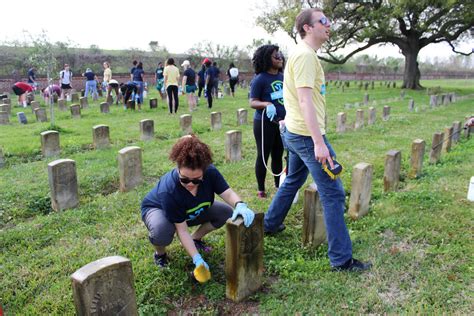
243	210
198	260
271	111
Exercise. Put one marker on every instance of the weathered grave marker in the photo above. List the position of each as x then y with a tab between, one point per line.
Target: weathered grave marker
366	99
436	143
130	167
241	117
22	118
104	107
186	123
34	105
361	191
216	121
110	99
2	159
244	258
6	108
457	128
416	159
50	143
105	287
74	97
433	101
233	146
153	103
100	136
4	118
147	129
372	116
386	113
411	105
84	103
341	122
131	105
314	229
75	111
62	105
448	134
63	184
391	176
41	115
359	123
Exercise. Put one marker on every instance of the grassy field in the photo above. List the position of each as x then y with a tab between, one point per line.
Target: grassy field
418	238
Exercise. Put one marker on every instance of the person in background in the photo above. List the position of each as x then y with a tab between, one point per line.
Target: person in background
201	80
215	83
233	74
128	89
184	197
65	81
21	89
171	79
304	92
209	75
91	84
189	84
113	85
138	79
107	76
159	79
266	94
134	66
49	91
32	78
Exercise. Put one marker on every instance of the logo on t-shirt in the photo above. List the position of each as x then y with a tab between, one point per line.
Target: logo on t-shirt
323	89
277	94
194	213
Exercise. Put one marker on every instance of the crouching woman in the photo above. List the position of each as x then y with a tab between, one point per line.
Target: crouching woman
184	197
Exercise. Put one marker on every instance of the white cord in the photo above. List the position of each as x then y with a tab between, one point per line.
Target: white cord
263	158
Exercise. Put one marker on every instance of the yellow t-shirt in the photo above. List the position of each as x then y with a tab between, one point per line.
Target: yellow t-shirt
107	74
303	70
173	75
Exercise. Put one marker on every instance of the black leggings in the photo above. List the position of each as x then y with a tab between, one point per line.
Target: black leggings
232	83
272	145
209	95
172	92
201	87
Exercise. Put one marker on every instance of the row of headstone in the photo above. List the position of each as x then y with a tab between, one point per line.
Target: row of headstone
341	120
442	99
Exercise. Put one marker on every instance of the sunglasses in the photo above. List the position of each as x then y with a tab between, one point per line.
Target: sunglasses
324	21
185	180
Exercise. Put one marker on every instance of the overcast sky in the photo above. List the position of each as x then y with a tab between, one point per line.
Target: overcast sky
175	24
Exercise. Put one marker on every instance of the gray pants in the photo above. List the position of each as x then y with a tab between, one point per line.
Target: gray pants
161	230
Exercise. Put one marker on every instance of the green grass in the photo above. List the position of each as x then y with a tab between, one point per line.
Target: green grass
419	238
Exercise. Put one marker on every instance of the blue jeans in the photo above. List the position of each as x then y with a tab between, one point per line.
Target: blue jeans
91	86
301	162
140	91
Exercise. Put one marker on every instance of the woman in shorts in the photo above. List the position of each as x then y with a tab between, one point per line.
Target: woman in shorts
189	84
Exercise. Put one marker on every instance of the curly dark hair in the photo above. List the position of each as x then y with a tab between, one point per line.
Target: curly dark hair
190	152
262	58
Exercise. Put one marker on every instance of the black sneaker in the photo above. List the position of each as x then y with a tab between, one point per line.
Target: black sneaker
161	260
280	228
201	245
353	265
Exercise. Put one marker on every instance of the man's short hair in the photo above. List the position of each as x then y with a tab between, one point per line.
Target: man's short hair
304	17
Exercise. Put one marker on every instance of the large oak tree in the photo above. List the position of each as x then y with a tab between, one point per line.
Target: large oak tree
409	24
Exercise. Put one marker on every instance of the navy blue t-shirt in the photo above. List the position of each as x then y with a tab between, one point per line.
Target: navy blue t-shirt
190	77
177	202
201	75
31	75
90	75
159	73
268	88
137	74
210	73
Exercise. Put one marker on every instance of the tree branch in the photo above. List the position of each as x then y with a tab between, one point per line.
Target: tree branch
458	52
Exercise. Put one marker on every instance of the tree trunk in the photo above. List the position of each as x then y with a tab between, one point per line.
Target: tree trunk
411	76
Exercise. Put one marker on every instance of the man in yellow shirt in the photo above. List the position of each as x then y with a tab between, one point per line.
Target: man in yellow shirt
304	92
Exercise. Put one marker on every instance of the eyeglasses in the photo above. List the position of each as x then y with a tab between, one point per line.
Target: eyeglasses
278	56
185	180
324	21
